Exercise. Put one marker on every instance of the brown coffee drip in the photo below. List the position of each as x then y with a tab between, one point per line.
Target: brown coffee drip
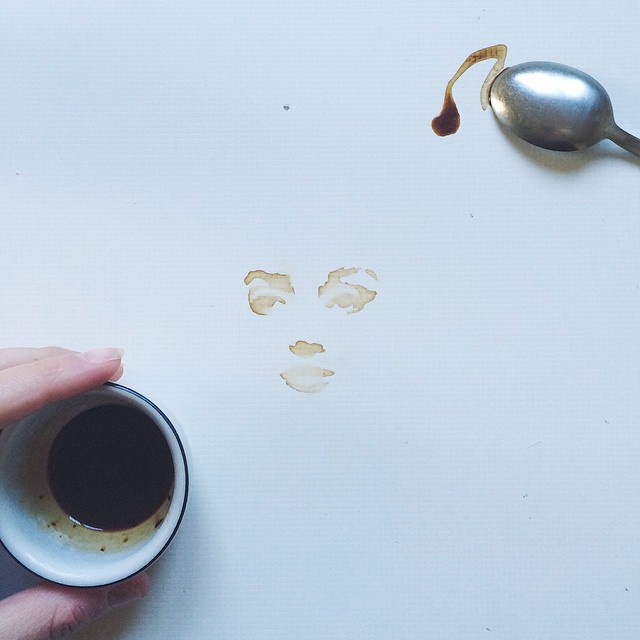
447	122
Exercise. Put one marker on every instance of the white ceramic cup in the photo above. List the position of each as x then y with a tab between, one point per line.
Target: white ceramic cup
38	533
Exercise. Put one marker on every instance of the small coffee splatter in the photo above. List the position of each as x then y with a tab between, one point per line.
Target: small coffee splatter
286	107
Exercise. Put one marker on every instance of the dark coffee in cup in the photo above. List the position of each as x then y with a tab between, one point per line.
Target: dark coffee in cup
110	468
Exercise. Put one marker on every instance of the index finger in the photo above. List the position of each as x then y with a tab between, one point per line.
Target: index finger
28	387
12	357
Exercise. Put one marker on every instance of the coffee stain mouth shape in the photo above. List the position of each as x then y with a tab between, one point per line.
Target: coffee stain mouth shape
306	378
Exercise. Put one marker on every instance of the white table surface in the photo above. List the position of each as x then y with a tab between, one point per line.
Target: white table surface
471	470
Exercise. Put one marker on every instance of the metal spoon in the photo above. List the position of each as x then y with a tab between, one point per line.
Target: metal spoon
556	107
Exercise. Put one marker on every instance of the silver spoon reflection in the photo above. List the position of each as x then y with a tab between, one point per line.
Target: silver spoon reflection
547	104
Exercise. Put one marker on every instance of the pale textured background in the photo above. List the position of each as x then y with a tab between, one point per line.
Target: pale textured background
471	470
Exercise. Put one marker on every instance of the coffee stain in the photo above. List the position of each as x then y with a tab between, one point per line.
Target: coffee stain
306	378
304	349
344	294
262	298
447	122
276	288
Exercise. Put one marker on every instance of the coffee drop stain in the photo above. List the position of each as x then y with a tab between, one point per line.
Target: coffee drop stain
304	349
262	298
371	273
306	378
447	121
344	294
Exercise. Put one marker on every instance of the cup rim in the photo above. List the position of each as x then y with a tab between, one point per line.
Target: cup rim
177	440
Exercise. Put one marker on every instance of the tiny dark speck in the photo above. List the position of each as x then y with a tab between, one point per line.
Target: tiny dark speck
286	107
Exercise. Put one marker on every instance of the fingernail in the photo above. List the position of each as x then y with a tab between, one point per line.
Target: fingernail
127	592
100	356
117	375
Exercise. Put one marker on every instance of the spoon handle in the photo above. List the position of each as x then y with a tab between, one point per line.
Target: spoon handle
624	139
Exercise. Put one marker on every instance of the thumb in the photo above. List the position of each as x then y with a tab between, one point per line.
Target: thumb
49	611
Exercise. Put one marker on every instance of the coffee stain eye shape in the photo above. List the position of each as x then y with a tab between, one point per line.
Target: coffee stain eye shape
357	298
261	304
263	297
336	292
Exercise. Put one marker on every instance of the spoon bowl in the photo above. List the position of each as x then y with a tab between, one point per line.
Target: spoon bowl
556	107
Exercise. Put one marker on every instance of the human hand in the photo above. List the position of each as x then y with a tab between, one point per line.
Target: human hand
29	380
